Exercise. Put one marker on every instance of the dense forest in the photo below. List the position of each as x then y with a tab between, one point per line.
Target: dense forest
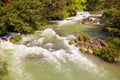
26	16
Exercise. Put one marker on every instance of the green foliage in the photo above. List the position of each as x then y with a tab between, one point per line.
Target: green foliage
97	51
21	16
94	5
111	16
25	16
75	5
16	38
114	43
83	37
54	9
111	54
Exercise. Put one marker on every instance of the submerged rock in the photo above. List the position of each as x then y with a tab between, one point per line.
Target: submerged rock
72	42
34	56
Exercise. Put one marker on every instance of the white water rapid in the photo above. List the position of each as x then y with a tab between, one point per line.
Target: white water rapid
47	56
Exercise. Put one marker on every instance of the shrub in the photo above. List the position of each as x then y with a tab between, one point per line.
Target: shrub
21	16
97	51
111	54
114	42
83	37
111	17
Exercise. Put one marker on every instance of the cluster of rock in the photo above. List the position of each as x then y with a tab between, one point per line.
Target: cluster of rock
93	43
90	21
8	37
89	45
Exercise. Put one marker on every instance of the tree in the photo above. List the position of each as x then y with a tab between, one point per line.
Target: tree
6	3
111	16
54	9
21	16
75	5
94	5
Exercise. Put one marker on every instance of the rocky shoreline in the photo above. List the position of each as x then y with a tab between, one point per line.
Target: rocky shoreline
90	44
97	46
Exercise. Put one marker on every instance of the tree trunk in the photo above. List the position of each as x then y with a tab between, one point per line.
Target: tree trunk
6	3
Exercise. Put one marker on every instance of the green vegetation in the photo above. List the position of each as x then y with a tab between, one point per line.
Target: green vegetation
111	21
114	42
97	51
94	5
15	39
23	18
26	16
108	49
54	9
111	54
83	37
111	16
74	6
111	11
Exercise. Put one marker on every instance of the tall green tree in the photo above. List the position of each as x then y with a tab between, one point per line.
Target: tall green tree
111	16
21	16
94	5
75	5
54	9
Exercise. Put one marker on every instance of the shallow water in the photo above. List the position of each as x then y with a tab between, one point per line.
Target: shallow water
47	56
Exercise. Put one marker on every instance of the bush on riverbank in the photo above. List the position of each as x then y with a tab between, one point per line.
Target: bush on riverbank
111	53
111	17
108	49
83	37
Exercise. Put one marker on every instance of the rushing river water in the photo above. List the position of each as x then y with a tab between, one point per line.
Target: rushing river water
47	56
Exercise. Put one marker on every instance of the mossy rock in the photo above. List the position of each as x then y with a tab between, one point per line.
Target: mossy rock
72	42
15	39
95	21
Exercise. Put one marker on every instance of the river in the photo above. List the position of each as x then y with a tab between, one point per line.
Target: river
45	55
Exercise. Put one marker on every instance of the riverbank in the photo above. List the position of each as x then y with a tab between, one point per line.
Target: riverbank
107	49
39	54
47	50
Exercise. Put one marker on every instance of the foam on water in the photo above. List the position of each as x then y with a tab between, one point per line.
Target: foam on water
56	57
69	20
